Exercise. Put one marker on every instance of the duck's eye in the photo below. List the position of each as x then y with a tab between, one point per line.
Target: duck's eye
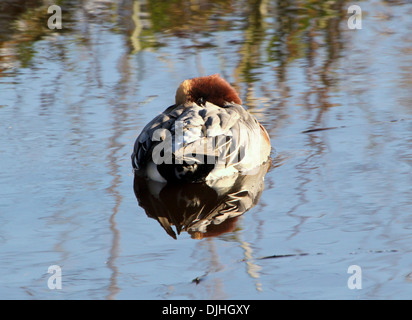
200	101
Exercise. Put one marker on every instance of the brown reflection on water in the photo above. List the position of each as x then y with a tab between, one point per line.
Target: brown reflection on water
271	31
120	117
310	32
203	210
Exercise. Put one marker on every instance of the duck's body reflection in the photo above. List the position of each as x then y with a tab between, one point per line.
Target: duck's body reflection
201	209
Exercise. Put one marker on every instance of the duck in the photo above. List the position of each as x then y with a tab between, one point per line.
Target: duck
206	135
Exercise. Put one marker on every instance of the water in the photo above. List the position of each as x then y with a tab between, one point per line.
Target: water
72	102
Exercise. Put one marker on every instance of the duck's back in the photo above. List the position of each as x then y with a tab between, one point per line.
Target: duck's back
197	142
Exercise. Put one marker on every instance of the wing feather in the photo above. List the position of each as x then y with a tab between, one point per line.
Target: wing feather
208	132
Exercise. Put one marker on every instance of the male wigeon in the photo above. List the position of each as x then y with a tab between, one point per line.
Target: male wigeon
204	136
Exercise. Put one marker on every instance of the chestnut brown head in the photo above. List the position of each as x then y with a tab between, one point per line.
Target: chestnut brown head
212	88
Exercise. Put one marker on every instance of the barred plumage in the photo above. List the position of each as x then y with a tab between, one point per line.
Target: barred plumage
204	136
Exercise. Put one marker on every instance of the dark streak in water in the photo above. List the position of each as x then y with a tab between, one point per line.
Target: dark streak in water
276	256
290	255
320	129
341	127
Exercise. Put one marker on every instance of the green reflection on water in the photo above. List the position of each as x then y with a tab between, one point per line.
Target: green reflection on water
282	30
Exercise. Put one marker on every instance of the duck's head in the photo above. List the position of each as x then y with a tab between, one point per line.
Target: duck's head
212	88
